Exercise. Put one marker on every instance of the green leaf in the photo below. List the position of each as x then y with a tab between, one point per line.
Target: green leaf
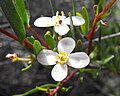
37	89
22	9
14	19
37	47
79	14
26	68
47	86
49	39
66	89
30	39
100	5
72	32
74	6
85	26
105	60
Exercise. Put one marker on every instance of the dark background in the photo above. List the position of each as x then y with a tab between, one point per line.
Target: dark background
14	81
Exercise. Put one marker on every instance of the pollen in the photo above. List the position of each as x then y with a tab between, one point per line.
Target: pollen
63	57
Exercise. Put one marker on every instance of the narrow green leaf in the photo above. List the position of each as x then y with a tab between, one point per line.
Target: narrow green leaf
37	89
72	32
100	5
85	26
66	89
13	17
74	7
37	47
105	60
52	9
26	68
49	39
47	86
22	9
79	14
30	39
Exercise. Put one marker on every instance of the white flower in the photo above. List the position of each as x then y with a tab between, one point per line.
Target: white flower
60	22
63	58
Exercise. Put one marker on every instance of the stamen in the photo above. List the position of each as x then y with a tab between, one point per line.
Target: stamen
62	58
57	13
62	13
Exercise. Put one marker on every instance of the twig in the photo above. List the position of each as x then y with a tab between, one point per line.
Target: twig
52	9
39	38
15	37
94	25
63	82
104	38
5	25
96	85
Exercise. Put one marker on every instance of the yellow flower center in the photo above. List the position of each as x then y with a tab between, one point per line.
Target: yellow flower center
62	58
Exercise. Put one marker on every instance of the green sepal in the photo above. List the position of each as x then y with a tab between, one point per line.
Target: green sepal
50	40
37	47
14	18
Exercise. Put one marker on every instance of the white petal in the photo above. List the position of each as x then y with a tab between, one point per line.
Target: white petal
77	21
78	60
66	44
59	72
57	18
61	29
44	22
47	57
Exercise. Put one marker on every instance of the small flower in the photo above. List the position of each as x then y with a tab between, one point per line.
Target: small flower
63	58
12	56
60	22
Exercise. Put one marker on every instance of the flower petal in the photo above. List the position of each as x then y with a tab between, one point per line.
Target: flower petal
78	60
47	57
66	44
44	22
57	18
62	29
59	72
77	21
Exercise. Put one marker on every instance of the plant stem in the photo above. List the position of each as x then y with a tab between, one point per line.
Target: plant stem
39	38
94	25
63	82
74	7
104	38
15	37
52	9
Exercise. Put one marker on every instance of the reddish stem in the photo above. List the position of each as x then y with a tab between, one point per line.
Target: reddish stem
15	37
97	18
63	82
41	40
